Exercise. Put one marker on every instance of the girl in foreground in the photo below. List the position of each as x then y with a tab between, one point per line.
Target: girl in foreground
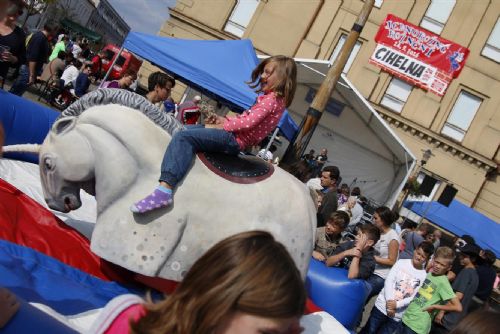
245	284
276	78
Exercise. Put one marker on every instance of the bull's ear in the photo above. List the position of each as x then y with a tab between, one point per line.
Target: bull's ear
64	125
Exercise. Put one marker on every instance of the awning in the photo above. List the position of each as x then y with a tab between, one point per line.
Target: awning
215	68
460	219
75	27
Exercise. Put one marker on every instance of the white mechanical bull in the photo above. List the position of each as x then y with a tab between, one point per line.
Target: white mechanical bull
114	152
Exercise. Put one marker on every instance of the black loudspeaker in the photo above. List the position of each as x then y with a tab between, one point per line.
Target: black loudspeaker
447	195
427	185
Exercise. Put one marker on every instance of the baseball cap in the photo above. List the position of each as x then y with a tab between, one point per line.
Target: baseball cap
470	249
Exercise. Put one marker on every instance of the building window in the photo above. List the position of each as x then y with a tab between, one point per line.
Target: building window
396	95
423	198
461	116
492	47
241	16
352	56
437	14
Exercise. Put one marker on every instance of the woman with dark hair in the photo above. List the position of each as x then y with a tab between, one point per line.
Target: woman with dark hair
12	48
247	281
386	249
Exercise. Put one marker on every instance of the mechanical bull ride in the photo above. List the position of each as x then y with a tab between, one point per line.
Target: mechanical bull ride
114	152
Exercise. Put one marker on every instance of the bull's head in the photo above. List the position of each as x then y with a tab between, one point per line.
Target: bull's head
66	166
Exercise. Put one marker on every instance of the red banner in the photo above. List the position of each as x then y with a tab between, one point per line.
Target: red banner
416	55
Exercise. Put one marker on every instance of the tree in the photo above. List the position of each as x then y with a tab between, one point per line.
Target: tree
36	7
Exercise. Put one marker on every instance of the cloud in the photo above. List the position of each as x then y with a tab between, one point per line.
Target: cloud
145	16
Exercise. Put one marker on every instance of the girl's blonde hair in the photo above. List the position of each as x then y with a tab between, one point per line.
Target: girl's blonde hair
287	77
249	272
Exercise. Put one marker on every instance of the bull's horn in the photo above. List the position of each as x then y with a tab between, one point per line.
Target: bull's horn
26	148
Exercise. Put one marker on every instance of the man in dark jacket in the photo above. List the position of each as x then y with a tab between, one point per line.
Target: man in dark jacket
329	178
37	53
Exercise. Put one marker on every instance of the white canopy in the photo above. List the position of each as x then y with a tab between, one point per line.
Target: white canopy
368	153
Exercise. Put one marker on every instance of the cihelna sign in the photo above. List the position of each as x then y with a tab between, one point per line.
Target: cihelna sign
416	55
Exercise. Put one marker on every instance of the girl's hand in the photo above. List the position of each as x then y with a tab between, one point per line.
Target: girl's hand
214	119
214	126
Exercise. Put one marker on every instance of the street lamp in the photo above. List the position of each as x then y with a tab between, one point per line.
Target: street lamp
426	156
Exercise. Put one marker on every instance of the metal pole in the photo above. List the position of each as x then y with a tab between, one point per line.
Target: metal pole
308	125
111	67
275	133
425	212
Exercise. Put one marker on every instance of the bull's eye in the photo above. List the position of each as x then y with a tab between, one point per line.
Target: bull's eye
49	164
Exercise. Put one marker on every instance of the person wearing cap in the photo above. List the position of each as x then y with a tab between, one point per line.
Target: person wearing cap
457	266
464	286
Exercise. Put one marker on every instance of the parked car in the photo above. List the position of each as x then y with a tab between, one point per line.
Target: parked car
125	61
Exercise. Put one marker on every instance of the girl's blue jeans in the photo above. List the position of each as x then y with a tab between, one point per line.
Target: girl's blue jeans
185	144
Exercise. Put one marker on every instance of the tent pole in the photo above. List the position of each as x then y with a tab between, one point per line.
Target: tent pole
111	67
425	213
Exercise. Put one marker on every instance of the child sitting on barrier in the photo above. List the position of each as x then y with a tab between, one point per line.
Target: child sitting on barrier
329	236
400	287
357	256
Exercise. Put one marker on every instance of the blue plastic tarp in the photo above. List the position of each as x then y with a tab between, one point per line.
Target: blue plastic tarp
213	67
460	219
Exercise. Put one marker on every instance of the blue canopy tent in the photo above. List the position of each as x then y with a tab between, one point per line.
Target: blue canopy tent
460	219
217	68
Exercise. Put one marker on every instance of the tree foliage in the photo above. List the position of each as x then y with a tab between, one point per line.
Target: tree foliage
38	6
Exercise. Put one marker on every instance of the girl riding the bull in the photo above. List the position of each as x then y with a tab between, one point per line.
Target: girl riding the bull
276	78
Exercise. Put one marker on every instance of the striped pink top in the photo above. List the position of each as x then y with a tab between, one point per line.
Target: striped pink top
253	125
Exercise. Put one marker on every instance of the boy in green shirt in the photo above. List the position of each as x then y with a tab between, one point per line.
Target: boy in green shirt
430	298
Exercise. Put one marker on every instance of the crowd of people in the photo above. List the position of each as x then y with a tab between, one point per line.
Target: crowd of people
421	285
63	67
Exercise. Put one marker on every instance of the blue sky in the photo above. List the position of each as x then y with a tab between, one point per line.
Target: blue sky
143	15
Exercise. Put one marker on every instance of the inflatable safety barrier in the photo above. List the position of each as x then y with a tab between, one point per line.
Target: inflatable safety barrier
24	122
330	289
29	319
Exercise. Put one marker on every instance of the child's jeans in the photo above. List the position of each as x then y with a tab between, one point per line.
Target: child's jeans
375	285
379	323
185	144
